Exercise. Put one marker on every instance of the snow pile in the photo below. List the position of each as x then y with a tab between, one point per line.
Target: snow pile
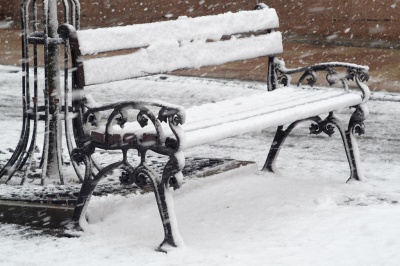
306	216
237	218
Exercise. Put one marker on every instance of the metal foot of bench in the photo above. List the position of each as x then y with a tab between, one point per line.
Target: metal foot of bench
279	139
142	176
327	125
355	126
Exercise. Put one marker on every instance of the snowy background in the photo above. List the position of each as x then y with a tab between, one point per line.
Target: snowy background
307	215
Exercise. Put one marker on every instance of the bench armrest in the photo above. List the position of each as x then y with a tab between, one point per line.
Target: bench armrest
152	138
354	72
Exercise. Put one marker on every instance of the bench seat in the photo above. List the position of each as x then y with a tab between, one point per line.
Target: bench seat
215	121
251	114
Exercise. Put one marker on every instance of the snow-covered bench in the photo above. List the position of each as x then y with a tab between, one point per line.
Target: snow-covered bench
191	43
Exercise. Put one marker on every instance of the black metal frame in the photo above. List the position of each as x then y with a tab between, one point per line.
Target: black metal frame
142	175
86	116
357	73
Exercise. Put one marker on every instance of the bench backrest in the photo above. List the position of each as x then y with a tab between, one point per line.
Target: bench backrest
170	45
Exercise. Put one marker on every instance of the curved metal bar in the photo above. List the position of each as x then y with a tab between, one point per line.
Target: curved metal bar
76	14
67	112
172	113
66	11
23	140
87	188
119	110
279	139
29	156
165	204
364	88
356	126
354	72
45	152
318	67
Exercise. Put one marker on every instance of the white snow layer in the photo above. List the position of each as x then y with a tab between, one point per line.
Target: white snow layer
95	41
259	120
307	216
215	121
168	55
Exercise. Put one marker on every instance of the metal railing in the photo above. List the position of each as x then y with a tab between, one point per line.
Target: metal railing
39	22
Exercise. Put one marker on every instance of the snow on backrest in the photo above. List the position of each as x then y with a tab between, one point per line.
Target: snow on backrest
171	56
183	29
183	43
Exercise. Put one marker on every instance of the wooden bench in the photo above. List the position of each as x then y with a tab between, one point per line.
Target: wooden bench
191	43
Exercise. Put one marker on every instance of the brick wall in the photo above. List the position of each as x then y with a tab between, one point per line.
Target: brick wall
367	19
373	19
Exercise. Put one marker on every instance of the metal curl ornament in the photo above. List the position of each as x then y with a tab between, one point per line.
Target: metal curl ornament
356	123
310	81
328	128
176	120
121	120
141	177
79	155
284	80
361	74
315	128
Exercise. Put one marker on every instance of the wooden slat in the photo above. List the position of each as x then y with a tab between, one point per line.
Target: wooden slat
214	121
168	56
95	41
275	118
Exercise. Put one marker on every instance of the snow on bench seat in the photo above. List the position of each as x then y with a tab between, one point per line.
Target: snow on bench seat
215	121
282	113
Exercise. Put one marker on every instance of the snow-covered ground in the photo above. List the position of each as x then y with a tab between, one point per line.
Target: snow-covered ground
307	215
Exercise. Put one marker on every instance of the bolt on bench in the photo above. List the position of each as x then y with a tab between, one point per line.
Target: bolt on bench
192	43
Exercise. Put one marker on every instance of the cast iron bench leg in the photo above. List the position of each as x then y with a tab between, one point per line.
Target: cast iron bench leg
279	139
165	202
162	192
356	125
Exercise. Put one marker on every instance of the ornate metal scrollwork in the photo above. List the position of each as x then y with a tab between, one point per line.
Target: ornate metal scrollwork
312	77
172	175
79	155
121	120
284	79
356	73
356	123
173	115
92	119
139	176
165	145
331	76
362	74
326	126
